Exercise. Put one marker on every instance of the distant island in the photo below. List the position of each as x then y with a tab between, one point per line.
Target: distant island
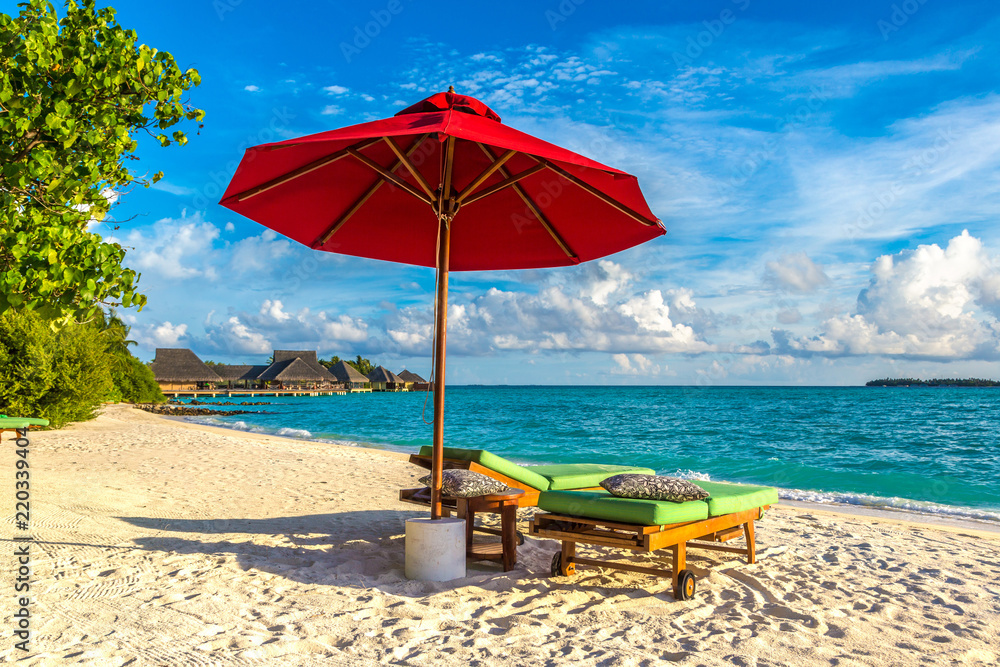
944	382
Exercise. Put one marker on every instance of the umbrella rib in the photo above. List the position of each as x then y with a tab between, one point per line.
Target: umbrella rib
503	185
301	171
405	160
611	201
389	176
479	180
533	208
339	222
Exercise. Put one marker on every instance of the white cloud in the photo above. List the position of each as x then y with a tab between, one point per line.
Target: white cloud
251	88
335	90
845	80
258	254
637	365
932	302
795	272
608	279
274	310
332	110
560	317
163	334
174	248
235	337
230	227
165	186
923	172
272	324
343	328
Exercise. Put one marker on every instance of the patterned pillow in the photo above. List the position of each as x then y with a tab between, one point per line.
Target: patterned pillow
653	487
466	484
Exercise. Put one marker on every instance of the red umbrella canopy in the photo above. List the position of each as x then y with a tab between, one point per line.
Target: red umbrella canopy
376	190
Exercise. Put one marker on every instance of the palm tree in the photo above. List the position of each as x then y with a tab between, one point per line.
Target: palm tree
115	332
362	365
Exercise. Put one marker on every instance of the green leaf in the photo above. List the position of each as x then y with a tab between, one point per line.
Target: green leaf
83	86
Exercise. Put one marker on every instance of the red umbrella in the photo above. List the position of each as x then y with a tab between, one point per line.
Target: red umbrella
442	183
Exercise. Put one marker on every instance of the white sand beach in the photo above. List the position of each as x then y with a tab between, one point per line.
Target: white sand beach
159	542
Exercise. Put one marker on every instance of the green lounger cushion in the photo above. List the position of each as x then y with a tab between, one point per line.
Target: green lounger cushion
730	498
543	478
582	475
21	422
725	499
602	505
495	463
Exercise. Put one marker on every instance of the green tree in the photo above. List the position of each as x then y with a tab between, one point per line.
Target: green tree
74	94
61	376
331	362
65	374
362	365
132	381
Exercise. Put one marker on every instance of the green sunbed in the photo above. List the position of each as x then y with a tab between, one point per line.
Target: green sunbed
20	425
597	517
17	423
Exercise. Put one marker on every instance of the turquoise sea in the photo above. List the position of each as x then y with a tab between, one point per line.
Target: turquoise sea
933	450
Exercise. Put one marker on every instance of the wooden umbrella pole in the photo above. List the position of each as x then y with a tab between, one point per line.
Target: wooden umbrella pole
440	336
445	212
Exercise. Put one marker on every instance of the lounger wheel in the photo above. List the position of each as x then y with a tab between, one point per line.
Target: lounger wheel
685	585
520	537
560	569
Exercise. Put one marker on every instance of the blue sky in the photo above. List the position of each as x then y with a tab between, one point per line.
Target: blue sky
828	173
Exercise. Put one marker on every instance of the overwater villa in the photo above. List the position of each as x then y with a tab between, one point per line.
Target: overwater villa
413	381
383	379
297	369
180	370
350	378
177	369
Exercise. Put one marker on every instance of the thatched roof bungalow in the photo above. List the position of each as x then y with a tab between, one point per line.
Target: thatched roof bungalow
383	379
296	367
180	369
413	381
349	376
408	376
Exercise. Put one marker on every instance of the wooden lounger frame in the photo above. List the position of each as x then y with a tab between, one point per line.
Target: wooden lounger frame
705	534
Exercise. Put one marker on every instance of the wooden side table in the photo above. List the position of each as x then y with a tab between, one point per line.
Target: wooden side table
505	504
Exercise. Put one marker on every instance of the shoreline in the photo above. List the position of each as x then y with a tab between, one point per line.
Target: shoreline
160	541
886	514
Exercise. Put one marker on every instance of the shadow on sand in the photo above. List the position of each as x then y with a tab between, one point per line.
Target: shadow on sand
364	549
334	527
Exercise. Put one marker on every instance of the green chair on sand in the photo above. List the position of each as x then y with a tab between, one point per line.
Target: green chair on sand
576	510
20	425
598	518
